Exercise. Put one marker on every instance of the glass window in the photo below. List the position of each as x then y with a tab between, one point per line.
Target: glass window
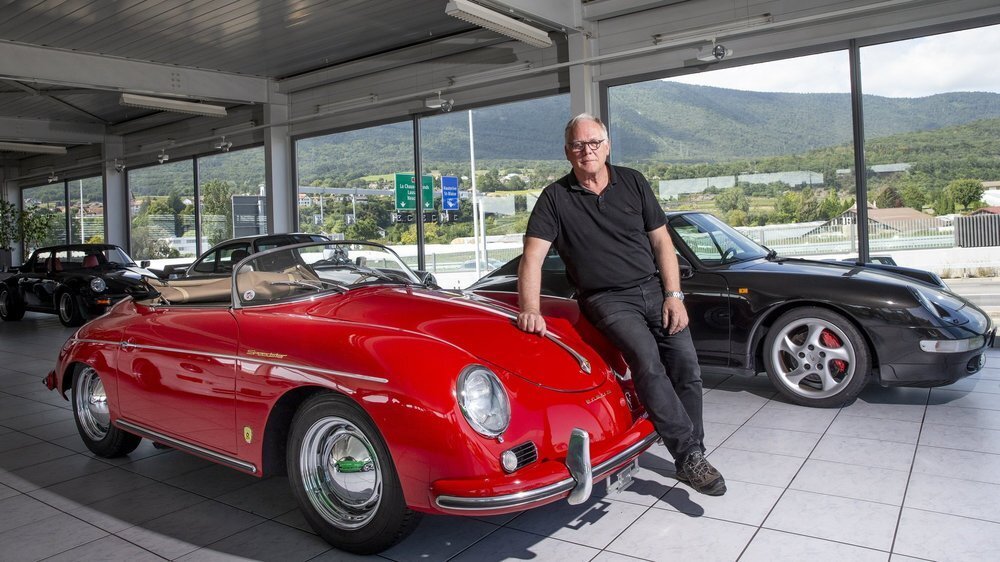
48	203
161	207
764	147
86	210
517	152
231	194
347	182
931	124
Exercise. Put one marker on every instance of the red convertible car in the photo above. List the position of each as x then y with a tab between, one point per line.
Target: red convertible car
381	397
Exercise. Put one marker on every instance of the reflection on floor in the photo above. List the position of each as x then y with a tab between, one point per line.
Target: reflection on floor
900	473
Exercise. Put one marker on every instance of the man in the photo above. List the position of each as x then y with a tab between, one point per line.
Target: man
611	233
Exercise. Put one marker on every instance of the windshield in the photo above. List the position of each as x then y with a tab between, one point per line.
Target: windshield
303	270
712	241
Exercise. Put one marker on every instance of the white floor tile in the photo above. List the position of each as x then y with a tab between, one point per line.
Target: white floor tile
845	520
595	523
981	400
776	546
963	417
953	463
875	428
946	538
794	418
955	497
881	485
758	468
511	544
670	536
864	452
956	437
777	441
743	502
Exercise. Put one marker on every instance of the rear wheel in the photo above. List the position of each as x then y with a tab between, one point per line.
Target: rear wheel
93	417
816	357
11	308
344	479
70	310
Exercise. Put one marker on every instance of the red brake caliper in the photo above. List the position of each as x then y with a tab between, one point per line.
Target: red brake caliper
829	339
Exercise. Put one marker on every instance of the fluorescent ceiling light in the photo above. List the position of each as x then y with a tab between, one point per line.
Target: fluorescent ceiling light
332	107
167	104
495	21
31	147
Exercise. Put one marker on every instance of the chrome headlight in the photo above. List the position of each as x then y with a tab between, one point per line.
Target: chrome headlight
98	285
483	401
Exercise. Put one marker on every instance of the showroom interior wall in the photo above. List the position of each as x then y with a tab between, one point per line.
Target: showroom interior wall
614	50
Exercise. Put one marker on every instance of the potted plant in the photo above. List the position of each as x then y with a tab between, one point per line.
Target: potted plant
26	226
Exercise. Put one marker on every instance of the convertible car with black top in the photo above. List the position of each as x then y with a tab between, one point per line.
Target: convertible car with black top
380	396
77	282
820	330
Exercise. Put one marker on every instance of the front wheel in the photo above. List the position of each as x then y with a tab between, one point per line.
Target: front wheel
11	307
93	417
344	479
70	310
816	357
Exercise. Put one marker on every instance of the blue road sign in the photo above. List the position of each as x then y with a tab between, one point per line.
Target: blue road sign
449	193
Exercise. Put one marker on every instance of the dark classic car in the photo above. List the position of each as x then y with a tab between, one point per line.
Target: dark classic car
819	329
77	282
219	260
380	396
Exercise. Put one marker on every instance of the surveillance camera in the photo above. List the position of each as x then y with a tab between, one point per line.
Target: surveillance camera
446	105
715	54
162	157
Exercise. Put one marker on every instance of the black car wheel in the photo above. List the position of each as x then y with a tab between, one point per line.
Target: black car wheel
816	357
93	417
11	307
70	310
360	511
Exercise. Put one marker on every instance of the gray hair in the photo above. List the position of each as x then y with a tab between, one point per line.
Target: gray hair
580	119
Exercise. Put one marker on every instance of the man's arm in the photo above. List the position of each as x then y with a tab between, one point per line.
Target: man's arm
675	316
529	285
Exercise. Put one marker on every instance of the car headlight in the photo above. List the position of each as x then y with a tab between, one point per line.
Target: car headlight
98	285
940	304
483	401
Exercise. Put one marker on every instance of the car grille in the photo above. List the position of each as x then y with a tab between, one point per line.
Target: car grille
526	454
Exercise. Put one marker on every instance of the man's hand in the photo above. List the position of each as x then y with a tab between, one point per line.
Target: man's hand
532	322
675	316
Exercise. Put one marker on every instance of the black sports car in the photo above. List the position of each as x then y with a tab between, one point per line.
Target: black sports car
219	260
819	329
77	282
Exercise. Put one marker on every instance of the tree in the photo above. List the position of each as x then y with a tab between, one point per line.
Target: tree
364	229
217	202
732	199
965	192
889	198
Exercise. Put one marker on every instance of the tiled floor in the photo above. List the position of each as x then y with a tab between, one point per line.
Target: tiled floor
901	474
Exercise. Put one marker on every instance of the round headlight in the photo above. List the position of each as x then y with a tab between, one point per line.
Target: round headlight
98	285
483	401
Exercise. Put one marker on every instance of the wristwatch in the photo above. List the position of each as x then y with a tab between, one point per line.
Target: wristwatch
675	294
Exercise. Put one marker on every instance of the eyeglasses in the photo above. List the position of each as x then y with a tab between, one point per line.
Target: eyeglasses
580	146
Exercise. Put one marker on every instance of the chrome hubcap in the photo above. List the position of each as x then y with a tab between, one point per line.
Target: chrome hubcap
814	358
341	473
92	405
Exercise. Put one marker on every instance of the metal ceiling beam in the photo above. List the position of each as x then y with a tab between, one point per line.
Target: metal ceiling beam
31	64
37	130
461	43
565	15
49	97
603	9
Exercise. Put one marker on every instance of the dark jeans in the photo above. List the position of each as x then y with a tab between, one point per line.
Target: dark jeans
664	367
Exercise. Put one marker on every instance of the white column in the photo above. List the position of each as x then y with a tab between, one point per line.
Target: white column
278	173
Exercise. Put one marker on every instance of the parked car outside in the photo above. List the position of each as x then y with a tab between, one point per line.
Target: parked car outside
820	330
77	282
380	396
220	259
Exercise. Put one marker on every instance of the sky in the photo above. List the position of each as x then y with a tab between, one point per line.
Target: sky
963	61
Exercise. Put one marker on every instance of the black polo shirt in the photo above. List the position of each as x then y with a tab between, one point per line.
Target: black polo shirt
602	239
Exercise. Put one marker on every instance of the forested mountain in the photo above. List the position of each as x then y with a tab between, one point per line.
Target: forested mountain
665	122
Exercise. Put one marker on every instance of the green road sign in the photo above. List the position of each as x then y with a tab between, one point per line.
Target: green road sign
406	193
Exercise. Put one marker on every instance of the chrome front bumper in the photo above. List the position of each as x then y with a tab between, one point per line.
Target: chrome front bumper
579	484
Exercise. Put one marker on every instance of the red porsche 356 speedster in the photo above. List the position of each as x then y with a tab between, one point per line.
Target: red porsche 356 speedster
380	396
